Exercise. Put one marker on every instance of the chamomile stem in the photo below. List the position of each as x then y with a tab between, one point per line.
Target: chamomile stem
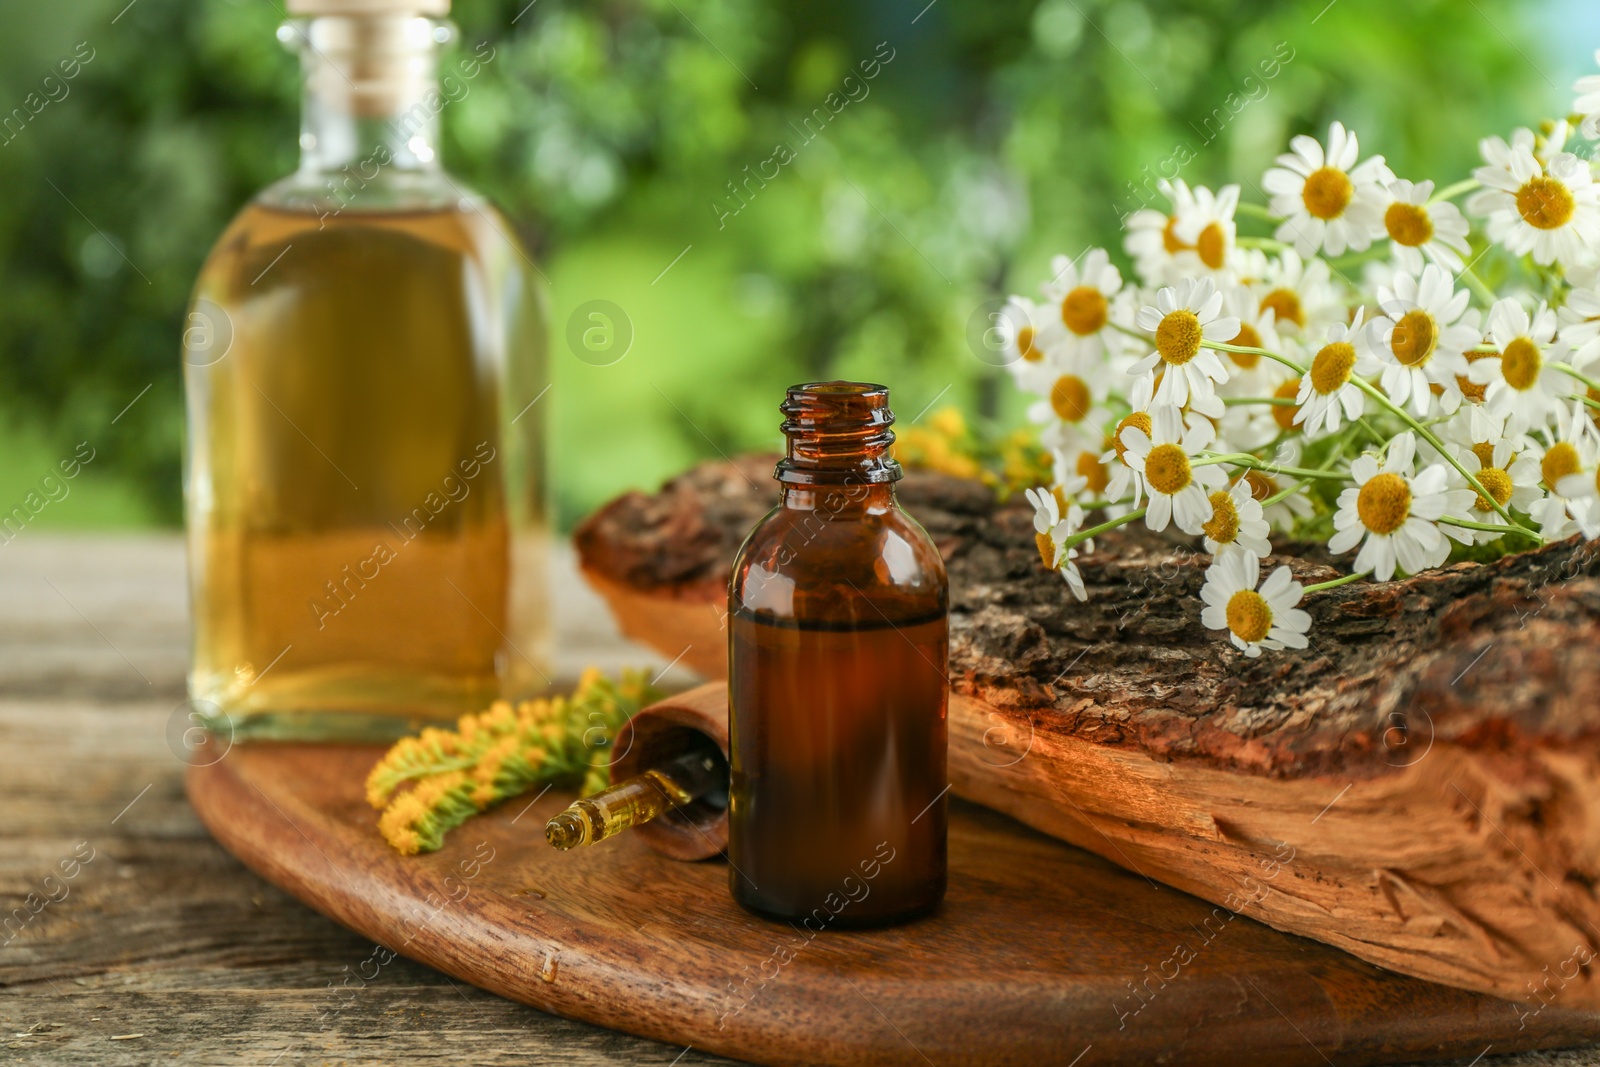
1271	244
1569	369
1246	350
1094	531
1336	583
1439	446
1096	505
1256	211
1467	524
1244	459
1477	285
1284	494
1333	456
1451	191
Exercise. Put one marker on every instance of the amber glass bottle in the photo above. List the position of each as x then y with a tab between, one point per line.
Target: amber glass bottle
838	650
363	474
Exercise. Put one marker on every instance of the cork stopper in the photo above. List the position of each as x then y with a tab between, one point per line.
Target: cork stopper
373	59
313	8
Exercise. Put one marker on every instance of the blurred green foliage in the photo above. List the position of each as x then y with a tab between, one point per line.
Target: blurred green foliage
993	135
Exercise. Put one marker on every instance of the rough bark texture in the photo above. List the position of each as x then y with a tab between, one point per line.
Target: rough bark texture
1432	760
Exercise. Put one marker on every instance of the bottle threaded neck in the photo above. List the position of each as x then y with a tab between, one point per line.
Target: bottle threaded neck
839	434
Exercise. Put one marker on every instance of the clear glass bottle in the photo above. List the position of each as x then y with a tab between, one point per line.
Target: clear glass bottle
838	651
364	355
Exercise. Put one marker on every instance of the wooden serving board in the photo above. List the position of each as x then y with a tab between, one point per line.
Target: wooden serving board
1035	957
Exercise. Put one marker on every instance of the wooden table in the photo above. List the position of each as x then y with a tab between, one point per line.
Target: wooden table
163	948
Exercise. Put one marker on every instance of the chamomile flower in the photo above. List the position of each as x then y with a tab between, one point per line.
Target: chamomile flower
1181	318
1082	293
1282	511
1077	463
1327	200
1124	479
1153	239
1018	326
1072	382
1580	322
1396	512
1418	339
1046	524
1299	294
1459	389
1551	210
1051	529
1570	450
1327	391
1520	385
1236	524
1178	489
1255	619
1551	139
1583	488
1419	229
1509	476
1258	328
1206	228
1588	102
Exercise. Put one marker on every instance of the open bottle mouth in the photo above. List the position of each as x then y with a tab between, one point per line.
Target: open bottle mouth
839	434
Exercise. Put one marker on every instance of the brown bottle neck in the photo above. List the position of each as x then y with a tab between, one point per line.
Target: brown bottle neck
831	501
839	439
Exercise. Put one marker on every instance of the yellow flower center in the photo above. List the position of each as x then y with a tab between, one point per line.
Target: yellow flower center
1166	468
1070	398
1560	461
1247	337
1261	486
1545	203
1331	368
1093	472
1062	503
1178	336
1047	550
1408	224
1384	503
1284	414
1594	407
1413	338
1140	419
1083	310
1223	526
1249	616
1327	193
1285	306
1521	363
1469	388
1498	483
1025	345
1212	245
1169	237
1484	450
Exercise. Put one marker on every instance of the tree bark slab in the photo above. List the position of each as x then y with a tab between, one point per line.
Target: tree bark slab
1420	787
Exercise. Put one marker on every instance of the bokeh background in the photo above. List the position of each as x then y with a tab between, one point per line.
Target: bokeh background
996	134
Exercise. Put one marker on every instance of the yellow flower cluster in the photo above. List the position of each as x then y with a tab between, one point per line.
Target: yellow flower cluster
946	445
429	784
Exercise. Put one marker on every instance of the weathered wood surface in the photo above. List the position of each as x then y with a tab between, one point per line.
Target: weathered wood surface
163	933
1433	759
1041	951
